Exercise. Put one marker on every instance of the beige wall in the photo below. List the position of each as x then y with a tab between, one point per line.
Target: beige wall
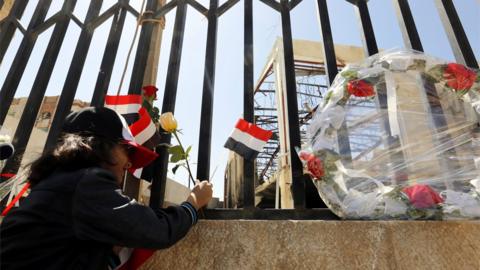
338	245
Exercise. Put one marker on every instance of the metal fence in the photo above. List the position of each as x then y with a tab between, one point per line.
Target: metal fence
60	21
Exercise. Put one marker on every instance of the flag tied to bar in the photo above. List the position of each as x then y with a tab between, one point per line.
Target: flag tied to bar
138	119
247	139
143	129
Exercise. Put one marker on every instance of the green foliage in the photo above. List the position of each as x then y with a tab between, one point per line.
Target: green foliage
177	153
349	74
153	111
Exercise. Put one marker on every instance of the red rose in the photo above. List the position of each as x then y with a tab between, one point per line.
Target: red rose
306	155
315	167
422	196
314	164
360	88
150	91
459	77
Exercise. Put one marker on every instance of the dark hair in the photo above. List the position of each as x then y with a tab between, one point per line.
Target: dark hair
73	152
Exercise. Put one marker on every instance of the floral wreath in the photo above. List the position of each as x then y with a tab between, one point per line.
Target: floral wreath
324	165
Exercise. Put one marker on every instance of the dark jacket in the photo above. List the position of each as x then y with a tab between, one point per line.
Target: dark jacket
71	220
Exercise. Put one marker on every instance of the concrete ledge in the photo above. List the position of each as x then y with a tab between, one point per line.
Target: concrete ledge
251	244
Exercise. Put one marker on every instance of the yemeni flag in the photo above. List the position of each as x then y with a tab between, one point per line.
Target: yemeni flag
247	139
138	119
143	129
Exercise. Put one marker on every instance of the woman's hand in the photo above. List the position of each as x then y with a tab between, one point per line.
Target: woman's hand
201	194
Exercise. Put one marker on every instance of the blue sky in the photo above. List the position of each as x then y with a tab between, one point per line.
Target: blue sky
229	75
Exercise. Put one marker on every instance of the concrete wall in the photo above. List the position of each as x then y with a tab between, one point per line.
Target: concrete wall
241	244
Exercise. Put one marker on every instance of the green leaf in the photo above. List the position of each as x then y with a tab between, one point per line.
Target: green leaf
176	158
349	74
436	73
177	153
188	151
175	150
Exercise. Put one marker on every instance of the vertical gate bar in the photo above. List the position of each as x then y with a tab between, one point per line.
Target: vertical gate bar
73	76
328	46
35	99
161	163
298	178
108	61
205	137
368	37
456	34
407	25
143	48
370	45
332	70
8	27
24	51
132	185
412	41
248	92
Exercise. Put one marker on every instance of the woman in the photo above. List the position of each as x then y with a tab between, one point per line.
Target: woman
76	211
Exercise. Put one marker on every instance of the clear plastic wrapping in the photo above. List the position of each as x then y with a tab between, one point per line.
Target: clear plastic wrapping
397	137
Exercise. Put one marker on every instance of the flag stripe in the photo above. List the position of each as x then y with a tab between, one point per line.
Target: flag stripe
259	133
241	149
131	118
123	100
124	108
248	140
143	122
145	134
144	128
15	200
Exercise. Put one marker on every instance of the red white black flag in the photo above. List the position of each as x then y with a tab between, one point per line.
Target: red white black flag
138	119
142	128
247	139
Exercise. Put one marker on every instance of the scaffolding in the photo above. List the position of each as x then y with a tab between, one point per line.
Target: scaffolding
272	165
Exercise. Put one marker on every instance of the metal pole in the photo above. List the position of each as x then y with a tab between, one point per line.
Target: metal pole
298	178
412	41
407	25
368	37
456	34
21	59
29	115
248	93
108	61
8	26
73	76
143	51
205	138
331	71
161	163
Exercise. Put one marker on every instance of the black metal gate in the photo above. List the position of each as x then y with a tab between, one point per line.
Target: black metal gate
60	21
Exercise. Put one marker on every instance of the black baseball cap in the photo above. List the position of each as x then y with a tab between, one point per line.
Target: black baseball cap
107	123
